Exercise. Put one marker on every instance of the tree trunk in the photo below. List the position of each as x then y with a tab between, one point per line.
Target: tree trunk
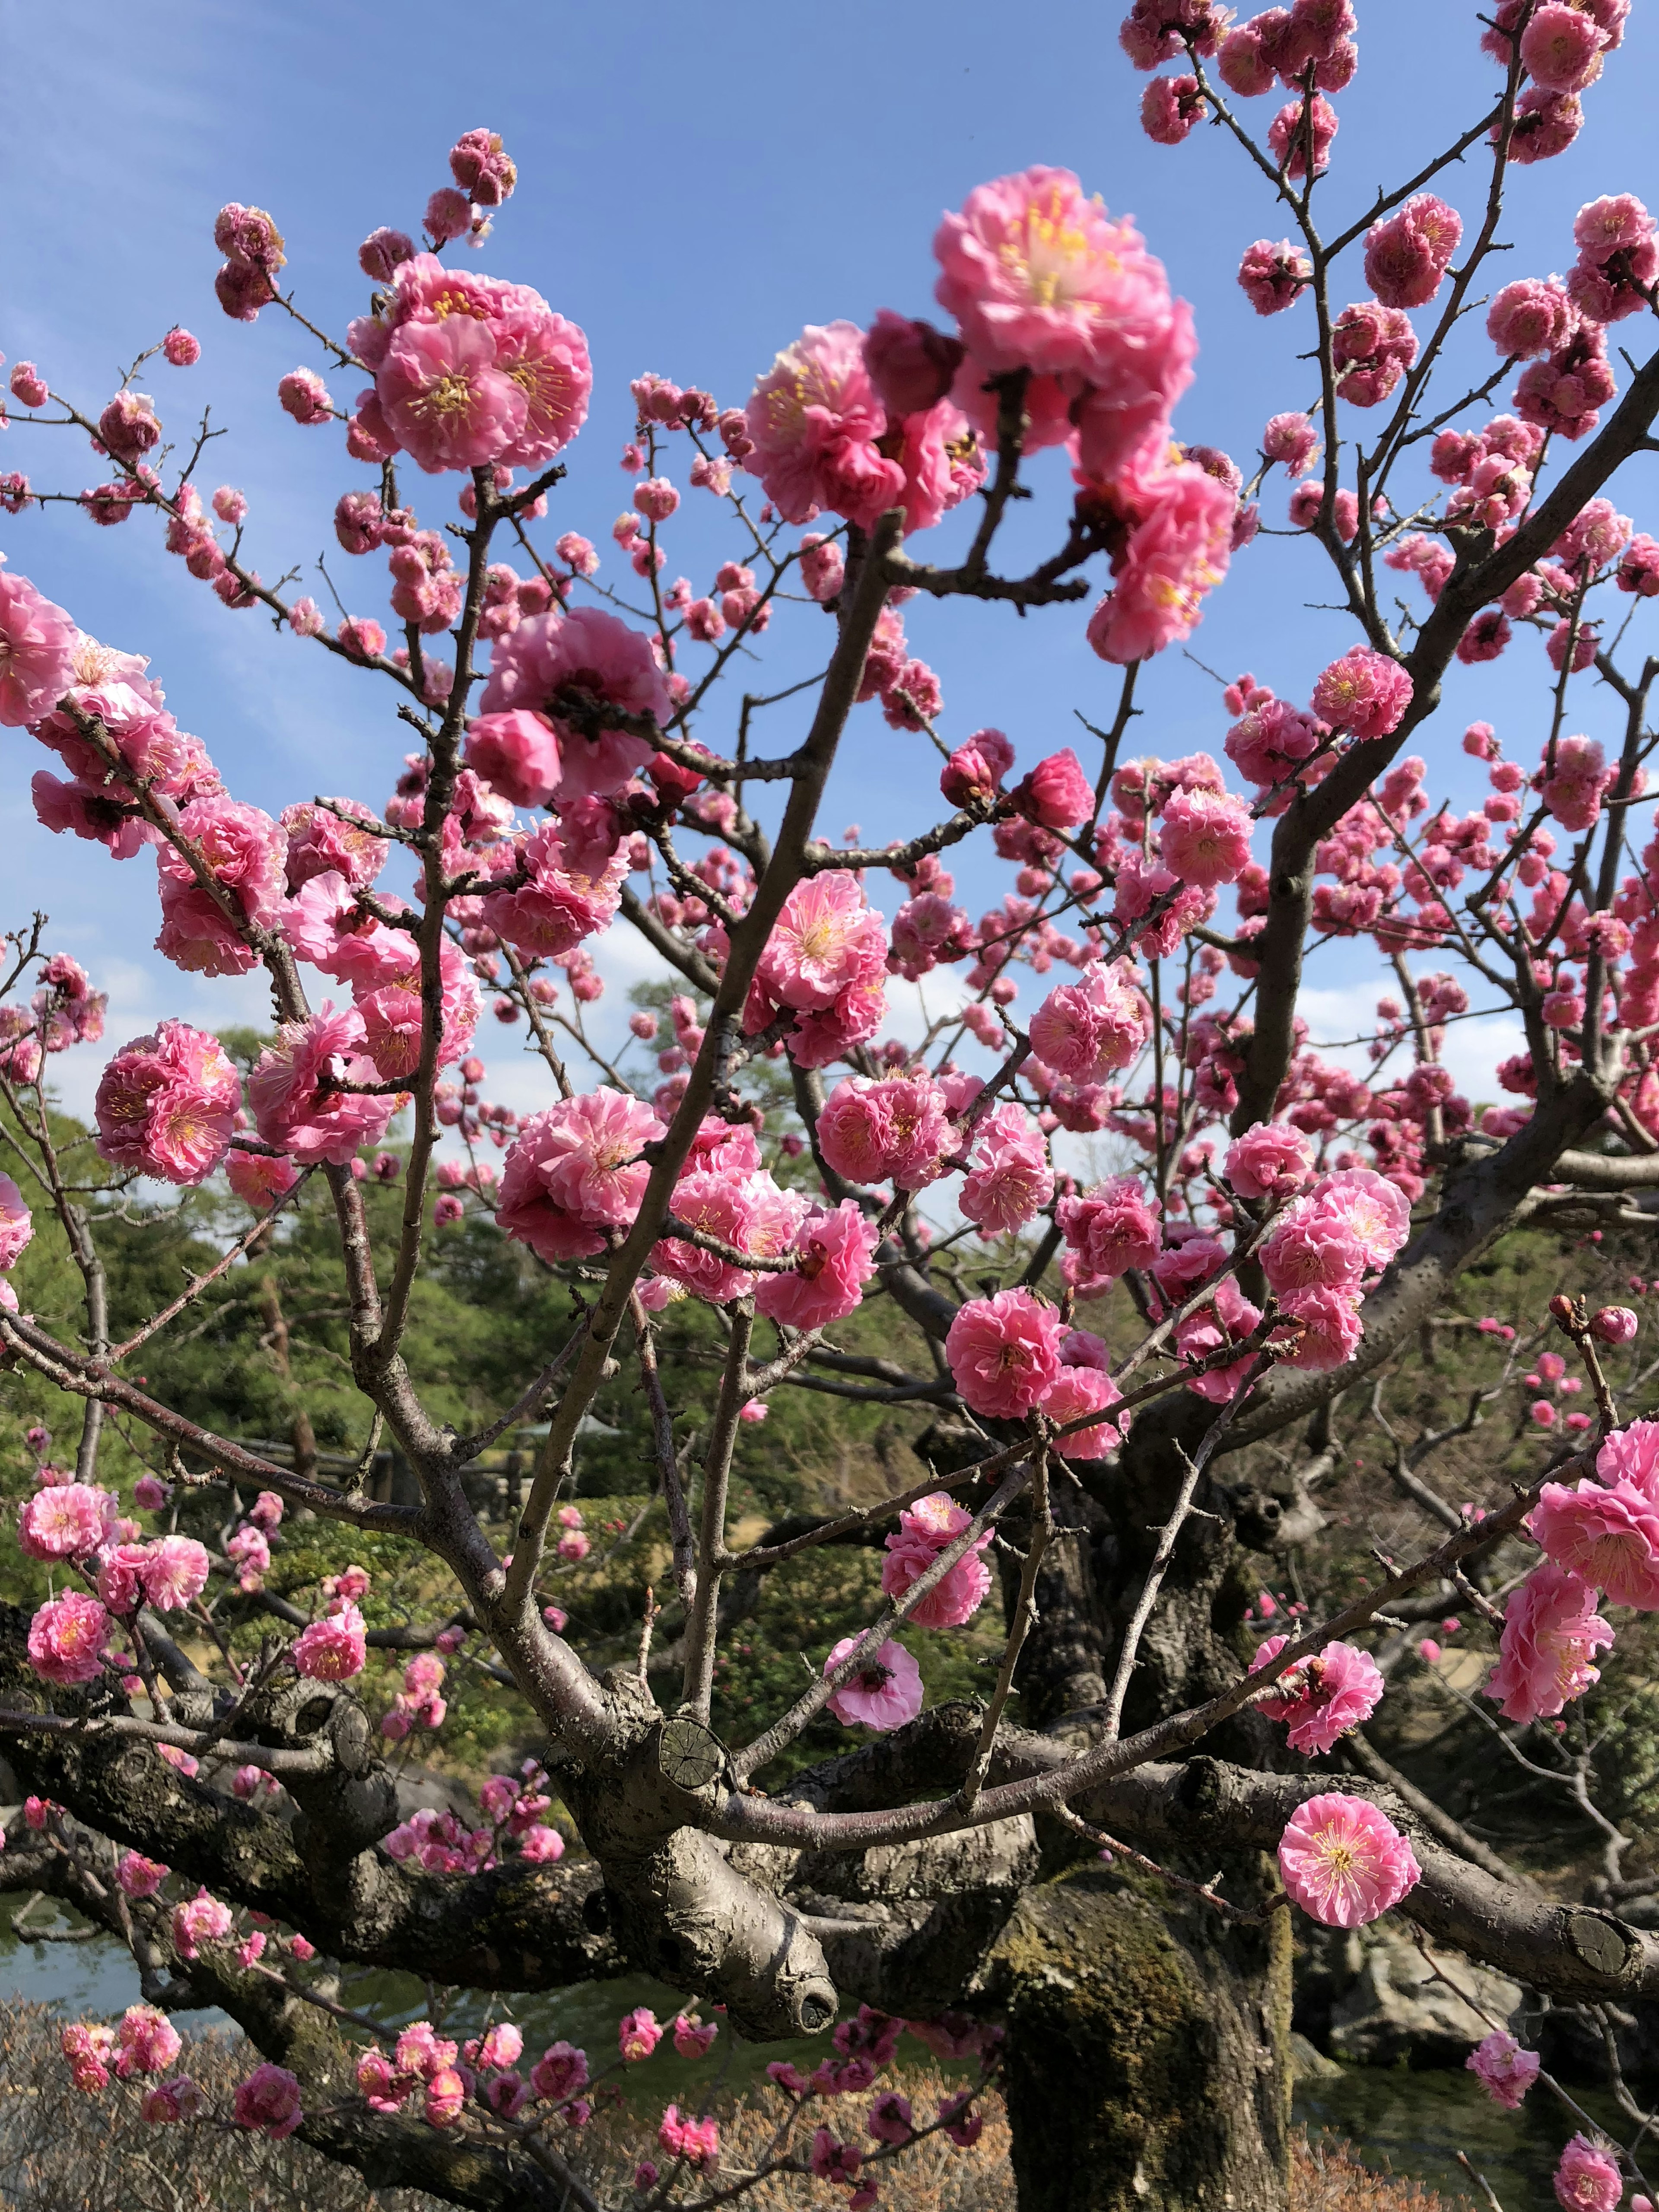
1147	2049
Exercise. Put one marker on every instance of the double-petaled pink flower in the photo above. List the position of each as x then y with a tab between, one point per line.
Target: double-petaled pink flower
1112	1228
926	1528
1608	1534
1506	2071
883	1694
167	1105
592	661
1085	1031
333	1650
836	1257
269	2100
37	652
1004	1353
297	1105
67	1637
1010	1180
1551	1633
1322	1698
1343	1863
575	1171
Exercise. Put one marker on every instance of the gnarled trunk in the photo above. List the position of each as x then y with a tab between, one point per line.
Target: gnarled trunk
1146	2062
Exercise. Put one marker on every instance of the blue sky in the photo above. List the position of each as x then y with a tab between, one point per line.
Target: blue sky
692	190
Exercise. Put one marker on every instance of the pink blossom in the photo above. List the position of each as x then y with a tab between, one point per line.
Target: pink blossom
1170	106
1075	1391
696	2142
1343	1863
575	1170
1010	1181
269	2100
890	2119
1327	1328
201	1919
1056	794
1551	1633
825	941
174	1572
1506	2071
833	2160
1561	47
147	2042
558	905
1408	253
1175	551
1205	838
837	1258
87	2047
814	419
1364	692
1085	1031
561	2071
602	663
28	387
1273	278
1587	2179
319	841
66	1521
294	1111
1614	1325
517	753
257	1179
925	1530
1004	1353
67	1637
1112	1228
139	1877
482	168
167	1105
1573	782
37	649
244	851
694	2038
541	1846
333	1650
1372	347
1608	1533
304	397
1291	129
1531	317
1269	1161
1039	276
638	2034
884	1694
1290	438
1322	1698
444	399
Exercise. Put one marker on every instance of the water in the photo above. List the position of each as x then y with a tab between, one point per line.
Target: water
1412	2123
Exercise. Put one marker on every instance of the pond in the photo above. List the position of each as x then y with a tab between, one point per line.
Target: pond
1411	2123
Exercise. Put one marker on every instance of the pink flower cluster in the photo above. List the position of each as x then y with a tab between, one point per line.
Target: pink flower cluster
468	372
168	1104
926	1529
895	1128
1087	1030
574	1171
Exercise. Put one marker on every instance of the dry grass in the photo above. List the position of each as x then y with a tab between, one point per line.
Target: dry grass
64	2152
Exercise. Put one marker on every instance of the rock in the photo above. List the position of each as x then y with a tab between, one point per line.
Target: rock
1395	2008
1308	2065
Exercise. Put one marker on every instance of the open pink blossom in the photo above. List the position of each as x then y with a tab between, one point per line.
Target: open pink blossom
1175	552
333	1650
139	1877
1112	1228
1561	47
1364	692
883	1694
814	419
573	1170
1075	1391
1629	1454
1408	253
558	905
174	1572
1325	1696
1085	1031
319	840
638	2034
1010	1181
16	1223
1004	1353
1274	277
836	1248
1587	2178
926	1529
722	1209
1505	2070
67	1637
295	1108
1608	1534
258	1178
1269	1161
146	2042
1343	1863
37	652
1531	317
201	1919
825	941
244	851
1551	1633
167	1105
1324	1329
66	1521
1039	276
443	398
269	2100
1205	837
591	661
